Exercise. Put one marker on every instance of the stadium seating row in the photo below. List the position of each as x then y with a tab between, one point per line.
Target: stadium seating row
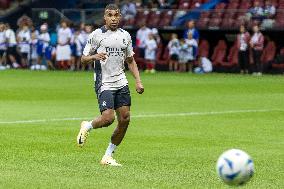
223	58
225	15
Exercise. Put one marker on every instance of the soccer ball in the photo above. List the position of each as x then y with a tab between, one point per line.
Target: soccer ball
235	167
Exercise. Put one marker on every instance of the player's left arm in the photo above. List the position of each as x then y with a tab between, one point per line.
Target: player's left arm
135	72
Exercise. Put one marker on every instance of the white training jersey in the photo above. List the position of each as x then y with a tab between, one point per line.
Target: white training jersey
44	38
64	34
150	50
11	37
142	35
174	46
24	41
118	46
206	64
2	41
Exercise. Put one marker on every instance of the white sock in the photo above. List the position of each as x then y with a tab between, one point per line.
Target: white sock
88	125
111	147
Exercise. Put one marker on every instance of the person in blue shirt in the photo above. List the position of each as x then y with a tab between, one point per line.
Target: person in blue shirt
191	29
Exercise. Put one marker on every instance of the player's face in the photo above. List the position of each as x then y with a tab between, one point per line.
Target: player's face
112	18
2	27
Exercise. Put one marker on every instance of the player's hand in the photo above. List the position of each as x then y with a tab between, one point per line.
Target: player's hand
139	87
100	56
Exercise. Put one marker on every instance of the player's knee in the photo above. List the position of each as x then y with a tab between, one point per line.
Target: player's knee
108	118
125	119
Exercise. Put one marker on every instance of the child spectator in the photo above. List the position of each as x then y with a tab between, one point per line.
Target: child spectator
24	39
150	53
243	39
192	51
34	56
3	47
174	48
204	66
11	46
183	55
257	43
63	51
43	44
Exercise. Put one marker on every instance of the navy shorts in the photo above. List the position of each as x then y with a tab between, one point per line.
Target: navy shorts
114	99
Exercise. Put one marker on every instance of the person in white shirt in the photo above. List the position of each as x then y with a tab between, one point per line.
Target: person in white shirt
24	39
141	37
191	51
78	42
63	50
150	53
3	47
128	10
204	66
109	48
88	31
174	48
11	45
43	43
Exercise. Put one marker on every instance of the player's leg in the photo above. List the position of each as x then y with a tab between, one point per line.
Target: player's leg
106	105
122	106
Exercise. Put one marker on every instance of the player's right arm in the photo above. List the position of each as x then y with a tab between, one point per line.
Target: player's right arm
89	54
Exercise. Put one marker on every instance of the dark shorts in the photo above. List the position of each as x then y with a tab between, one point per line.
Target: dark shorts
2	53
174	57
12	51
24	55
114	99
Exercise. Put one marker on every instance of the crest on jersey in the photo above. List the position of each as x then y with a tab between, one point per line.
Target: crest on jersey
124	41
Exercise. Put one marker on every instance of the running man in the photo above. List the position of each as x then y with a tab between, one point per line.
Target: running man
109	47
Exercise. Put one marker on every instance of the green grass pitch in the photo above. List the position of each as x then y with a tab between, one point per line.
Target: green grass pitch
180	126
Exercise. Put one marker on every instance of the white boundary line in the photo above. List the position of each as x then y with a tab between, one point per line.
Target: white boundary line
147	116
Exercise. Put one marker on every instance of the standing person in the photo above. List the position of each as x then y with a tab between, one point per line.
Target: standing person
174	48
43	44
3	47
243	40
63	50
150	53
24	39
88	31
109	47
183	55
191	29
191	51
12	44
34	55
141	37
257	43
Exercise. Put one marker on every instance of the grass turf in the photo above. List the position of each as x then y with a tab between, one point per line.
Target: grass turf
158	152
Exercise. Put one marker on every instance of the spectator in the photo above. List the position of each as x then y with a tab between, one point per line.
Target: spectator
34	54
43	44
243	40
24	39
191	29
63	51
183	55
174	48
192	51
128	10
269	14
156	35
256	44
256	12
3	47
141	37
88	31
77	48
204	66
150	53
11	43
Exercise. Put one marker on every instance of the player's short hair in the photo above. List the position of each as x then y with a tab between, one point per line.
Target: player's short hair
112	7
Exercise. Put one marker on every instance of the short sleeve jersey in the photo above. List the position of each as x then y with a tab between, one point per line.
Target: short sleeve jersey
118	46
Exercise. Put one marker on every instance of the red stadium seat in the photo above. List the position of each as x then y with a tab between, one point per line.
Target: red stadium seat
202	23
232	58
141	18
214	22
154	18
203	49
219	53
166	18
269	52
228	22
